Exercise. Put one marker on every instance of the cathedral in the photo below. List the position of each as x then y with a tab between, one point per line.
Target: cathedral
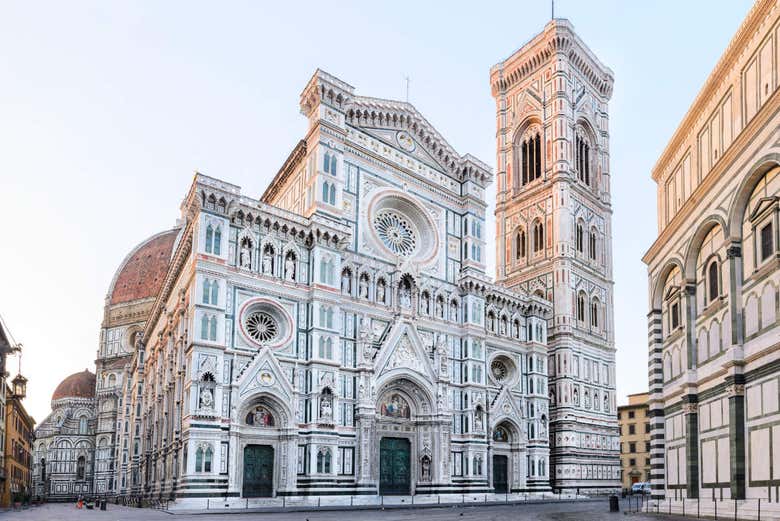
339	334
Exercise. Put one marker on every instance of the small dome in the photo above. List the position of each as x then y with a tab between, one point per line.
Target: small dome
77	385
142	273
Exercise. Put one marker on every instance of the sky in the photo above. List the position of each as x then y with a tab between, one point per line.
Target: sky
108	108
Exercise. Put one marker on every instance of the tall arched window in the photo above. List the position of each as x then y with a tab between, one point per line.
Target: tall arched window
538	236
580	240
530	164
325	192
199	460
326	163
204	327
582	151
594	314
213	329
332	199
217	241
214	292
323	461
581	307
207	459
209	239
80	467
712	281
592	244
520	245
206	290
83	425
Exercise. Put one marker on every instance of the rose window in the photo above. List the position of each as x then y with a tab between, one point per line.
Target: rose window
261	326
396	232
502	370
499	370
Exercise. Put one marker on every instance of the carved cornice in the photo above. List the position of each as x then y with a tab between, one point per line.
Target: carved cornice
728	61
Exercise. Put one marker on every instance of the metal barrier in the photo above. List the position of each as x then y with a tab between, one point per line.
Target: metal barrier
751	509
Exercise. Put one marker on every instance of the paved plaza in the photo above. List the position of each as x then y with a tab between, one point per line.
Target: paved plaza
595	510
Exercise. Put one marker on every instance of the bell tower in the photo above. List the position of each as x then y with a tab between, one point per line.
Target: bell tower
553	237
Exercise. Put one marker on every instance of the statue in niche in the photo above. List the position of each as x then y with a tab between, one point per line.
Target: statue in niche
454	311
206	398
439	308
502	327
425	466
326	409
363	287
268	262
289	268
406	296
426	304
380	292
441	350
346	282
245	257
479	421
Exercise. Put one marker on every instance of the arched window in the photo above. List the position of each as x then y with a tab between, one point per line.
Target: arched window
491	320
207	459
530	164
199	460
206	290
80	467
580	239
214	292
332	194
209	239
323	461
712	281
325	192
520	245
326	163
83	424
213	329
204	327
582	159
592	244
594	314
538	236
581	307
217	241
329	318
111	380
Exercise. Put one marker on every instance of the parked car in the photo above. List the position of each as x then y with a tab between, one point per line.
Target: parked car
640	488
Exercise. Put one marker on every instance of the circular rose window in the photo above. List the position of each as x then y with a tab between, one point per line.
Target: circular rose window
263	322
261	326
502	370
396	232
401	227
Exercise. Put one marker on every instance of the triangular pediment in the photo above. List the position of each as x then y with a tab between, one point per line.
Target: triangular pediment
264	374
404	350
504	407
761	206
404	142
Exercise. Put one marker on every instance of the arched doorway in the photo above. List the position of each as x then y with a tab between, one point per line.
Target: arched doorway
405	438
507	458
262	447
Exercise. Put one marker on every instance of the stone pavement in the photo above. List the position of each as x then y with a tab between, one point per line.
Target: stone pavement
574	511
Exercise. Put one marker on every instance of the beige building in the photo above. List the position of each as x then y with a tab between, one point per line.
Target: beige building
633	422
714	278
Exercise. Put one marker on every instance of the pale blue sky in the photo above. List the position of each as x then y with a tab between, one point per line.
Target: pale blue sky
107	109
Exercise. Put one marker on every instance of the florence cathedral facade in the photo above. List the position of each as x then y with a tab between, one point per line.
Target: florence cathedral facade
340	335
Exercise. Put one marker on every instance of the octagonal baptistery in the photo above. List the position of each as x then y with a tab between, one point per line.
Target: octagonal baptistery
330	337
64	447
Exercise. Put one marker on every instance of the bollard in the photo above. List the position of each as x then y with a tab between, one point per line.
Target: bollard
103	504
613	503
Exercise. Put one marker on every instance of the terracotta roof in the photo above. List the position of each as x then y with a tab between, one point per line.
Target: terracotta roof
142	273
77	385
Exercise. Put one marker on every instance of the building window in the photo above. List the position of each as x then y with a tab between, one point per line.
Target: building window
594	314
323	461
80	464
712	281
538	236
83	425
347	456
580	239
581	307
767	246
630	414
647	427
592	244
520	245
632	445
632	430
531	158
582	150
632	462
675	312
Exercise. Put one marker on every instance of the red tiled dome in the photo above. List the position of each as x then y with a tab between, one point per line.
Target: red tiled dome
77	385
142	273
